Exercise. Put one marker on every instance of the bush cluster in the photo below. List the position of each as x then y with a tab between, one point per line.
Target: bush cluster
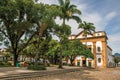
4	64
36	67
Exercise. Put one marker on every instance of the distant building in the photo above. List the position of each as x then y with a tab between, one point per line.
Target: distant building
97	43
1	54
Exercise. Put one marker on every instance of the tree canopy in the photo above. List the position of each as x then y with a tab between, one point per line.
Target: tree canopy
75	48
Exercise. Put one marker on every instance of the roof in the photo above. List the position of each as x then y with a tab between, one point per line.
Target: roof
91	35
109	47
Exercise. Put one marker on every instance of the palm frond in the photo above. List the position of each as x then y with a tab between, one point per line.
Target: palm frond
76	18
87	27
67	3
72	6
61	2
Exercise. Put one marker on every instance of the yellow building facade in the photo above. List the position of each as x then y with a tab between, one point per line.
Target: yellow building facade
97	43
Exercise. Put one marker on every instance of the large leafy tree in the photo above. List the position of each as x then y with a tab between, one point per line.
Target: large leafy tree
17	19
75	48
53	51
66	12
20	21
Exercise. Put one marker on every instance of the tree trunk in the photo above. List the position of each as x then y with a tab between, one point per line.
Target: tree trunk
71	61
60	61
15	59
55	59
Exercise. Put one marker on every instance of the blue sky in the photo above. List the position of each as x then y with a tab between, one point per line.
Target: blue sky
105	14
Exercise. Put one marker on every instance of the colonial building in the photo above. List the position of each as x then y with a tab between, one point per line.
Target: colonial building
97	43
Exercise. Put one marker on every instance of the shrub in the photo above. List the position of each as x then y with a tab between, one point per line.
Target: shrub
8	63
1	63
5	64
36	67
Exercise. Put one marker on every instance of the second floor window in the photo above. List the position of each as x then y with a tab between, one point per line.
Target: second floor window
98	49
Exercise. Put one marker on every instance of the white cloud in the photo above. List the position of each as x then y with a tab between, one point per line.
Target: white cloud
74	26
48	1
99	20
94	18
114	42
110	16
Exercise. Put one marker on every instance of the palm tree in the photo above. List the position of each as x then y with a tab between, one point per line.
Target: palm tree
67	11
88	28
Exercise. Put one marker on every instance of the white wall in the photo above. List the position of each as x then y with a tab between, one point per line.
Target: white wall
88	63
79	58
109	56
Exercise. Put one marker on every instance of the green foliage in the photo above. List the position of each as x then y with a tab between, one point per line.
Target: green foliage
23	20
5	64
68	11
88	28
7	54
117	60
54	48
36	67
62	30
75	48
87	53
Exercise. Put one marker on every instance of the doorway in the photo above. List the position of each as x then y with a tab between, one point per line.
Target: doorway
84	63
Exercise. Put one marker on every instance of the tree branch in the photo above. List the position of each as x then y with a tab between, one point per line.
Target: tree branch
26	44
3	33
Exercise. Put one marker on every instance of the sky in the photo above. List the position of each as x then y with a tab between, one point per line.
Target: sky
105	14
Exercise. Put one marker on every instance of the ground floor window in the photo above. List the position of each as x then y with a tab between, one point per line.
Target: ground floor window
99	60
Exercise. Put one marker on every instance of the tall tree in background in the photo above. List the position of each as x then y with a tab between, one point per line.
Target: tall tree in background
67	11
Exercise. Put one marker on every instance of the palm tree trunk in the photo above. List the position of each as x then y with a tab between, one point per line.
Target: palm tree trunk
85	39
60	63
85	44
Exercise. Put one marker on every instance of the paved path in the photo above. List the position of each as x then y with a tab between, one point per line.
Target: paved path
18	73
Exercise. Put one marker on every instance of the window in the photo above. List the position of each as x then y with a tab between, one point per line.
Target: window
98	34
99	60
98	49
